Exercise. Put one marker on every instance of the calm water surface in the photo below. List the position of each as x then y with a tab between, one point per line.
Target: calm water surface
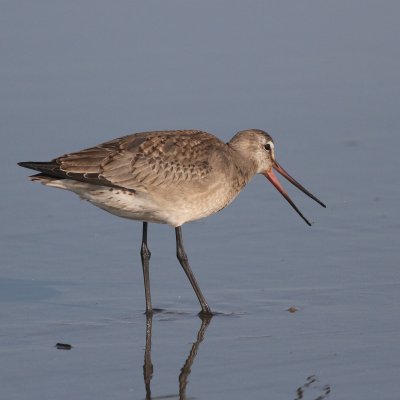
323	79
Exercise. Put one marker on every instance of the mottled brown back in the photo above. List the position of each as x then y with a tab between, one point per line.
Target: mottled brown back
144	159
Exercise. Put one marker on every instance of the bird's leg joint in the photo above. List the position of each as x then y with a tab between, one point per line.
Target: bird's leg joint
145	252
181	254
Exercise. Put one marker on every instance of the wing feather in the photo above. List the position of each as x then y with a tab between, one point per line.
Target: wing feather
144	160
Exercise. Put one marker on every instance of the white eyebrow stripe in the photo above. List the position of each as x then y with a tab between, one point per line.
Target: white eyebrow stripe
272	150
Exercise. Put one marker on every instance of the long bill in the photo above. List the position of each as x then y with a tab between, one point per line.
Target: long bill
270	175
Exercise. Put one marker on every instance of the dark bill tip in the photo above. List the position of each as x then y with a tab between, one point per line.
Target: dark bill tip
297	184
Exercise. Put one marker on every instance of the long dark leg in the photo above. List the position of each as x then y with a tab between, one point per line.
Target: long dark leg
145	255
182	257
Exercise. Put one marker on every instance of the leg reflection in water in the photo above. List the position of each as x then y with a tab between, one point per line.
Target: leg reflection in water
148	366
185	370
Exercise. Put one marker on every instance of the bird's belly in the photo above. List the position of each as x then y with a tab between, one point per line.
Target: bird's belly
191	205
138	206
127	204
173	208
120	202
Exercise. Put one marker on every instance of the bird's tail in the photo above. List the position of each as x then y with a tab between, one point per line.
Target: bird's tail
49	173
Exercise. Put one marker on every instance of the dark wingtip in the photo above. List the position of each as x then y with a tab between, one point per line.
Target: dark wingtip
36	166
28	164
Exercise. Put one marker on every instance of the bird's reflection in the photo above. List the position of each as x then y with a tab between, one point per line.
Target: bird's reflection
186	368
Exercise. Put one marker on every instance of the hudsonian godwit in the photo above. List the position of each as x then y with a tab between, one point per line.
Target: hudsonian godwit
168	177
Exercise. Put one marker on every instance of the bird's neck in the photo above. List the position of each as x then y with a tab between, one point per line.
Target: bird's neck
244	164
245	168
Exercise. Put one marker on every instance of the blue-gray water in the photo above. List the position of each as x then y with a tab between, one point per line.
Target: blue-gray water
323	79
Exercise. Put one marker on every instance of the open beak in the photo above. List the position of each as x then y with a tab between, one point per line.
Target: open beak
274	180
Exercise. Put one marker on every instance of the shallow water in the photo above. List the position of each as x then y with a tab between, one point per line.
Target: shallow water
322	78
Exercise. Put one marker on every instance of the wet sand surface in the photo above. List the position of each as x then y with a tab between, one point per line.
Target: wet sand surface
302	313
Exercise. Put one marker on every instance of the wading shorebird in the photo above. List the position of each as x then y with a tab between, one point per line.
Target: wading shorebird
168	177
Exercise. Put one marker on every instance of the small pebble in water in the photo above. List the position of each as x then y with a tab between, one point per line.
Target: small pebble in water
292	309
63	346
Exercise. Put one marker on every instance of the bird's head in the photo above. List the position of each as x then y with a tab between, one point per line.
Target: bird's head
258	150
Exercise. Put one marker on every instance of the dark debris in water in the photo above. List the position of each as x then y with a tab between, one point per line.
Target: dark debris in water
311	385
63	346
292	309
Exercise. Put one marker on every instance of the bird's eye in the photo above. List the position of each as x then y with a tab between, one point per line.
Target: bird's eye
267	147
